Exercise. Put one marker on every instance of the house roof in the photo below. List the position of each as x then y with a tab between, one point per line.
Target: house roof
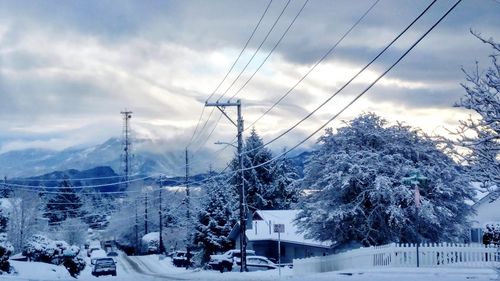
262	228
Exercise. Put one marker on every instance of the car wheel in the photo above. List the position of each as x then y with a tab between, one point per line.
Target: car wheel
113	273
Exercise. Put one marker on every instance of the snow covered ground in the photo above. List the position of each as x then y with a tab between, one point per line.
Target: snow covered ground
153	268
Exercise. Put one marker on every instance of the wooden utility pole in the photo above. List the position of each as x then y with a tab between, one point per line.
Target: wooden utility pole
160	216
188	214
242	198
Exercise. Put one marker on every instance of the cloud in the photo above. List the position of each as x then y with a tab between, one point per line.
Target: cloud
68	69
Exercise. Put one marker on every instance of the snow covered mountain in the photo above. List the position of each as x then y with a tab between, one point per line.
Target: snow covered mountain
148	157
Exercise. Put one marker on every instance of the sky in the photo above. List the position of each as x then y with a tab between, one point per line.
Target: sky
68	68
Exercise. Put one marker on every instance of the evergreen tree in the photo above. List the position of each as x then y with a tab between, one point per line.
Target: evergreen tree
216	218
268	186
65	204
3	220
284	192
358	192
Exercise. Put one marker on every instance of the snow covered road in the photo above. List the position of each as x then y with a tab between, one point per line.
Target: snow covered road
152	268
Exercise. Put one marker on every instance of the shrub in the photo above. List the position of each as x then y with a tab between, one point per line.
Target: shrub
6	250
42	249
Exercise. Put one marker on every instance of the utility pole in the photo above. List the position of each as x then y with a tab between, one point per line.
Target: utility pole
188	213
146	213
160	223
239	125
126	147
136	228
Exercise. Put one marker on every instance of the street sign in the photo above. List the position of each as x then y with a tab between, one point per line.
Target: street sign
279	228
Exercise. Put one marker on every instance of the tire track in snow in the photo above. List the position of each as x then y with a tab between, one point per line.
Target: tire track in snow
136	264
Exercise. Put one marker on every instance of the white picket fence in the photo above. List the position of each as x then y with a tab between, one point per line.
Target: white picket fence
403	255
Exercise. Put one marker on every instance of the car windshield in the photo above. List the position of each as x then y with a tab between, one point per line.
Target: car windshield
105	262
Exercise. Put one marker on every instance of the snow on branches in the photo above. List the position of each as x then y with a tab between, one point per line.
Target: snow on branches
359	195
480	137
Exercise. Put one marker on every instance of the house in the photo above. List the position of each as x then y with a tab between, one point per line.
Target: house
487	213
264	241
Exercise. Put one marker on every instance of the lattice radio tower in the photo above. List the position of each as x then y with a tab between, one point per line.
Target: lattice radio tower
126	152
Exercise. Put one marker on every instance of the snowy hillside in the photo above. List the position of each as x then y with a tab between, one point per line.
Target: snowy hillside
148	157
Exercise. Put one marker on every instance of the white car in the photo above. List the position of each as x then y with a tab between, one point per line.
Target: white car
255	263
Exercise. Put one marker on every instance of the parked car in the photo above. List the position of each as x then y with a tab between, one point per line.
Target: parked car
113	255
224	262
255	263
103	266
179	259
91	250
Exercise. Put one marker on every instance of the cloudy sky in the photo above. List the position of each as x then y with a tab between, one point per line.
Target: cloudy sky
67	68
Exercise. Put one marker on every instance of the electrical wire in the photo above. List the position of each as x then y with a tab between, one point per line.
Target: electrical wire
359	95
230	69
346	84
257	50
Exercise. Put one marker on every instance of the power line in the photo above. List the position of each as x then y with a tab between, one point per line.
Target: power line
260	66
271	51
359	95
257	50
347	83
80	187
68	179
315	65
230	69
248	63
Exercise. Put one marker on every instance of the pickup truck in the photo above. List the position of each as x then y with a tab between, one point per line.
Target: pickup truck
224	262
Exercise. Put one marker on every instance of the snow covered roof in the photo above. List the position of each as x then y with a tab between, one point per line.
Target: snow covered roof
262	228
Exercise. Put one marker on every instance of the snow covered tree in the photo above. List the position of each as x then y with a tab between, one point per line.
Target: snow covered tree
358	194
216	217
3	220
268	187
479	135
257	180
73	231
65	204
283	189
25	217
96	207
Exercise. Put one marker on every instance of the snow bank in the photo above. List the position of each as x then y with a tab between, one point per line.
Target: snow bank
38	271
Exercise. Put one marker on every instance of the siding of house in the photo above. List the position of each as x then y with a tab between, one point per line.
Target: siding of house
289	251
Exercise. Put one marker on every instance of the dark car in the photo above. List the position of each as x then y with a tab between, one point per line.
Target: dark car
180	259
103	266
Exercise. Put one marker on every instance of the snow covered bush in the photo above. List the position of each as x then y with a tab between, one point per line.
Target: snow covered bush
492	234
150	243
72	261
6	250
40	248
358	191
